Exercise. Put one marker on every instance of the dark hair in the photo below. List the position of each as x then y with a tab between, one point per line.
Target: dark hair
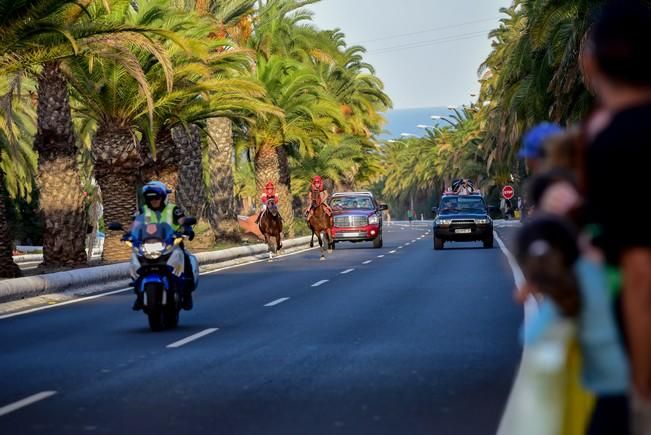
538	184
621	41
546	249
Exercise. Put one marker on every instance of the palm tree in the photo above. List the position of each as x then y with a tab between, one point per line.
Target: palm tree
34	33
115	93
17	160
310	118
231	19
221	204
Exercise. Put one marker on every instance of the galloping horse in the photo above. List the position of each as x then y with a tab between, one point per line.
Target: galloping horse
320	225
271	227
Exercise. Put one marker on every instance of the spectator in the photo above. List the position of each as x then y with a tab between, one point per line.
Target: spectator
617	61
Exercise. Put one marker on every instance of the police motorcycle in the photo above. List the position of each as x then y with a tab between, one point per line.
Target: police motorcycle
158	268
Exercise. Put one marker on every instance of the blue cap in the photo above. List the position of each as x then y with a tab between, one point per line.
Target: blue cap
534	139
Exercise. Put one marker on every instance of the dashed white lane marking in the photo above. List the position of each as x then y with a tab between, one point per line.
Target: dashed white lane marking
367	261
380	256
26	402
413	241
347	271
408	243
400	247
318	283
392	252
101	295
191	338
276	302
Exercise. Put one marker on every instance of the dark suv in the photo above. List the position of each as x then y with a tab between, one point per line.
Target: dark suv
357	218
462	218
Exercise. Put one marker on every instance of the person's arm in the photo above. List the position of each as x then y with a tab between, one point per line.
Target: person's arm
178	217
636	308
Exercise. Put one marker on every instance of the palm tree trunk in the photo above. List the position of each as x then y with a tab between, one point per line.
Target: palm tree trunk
221	199
8	269
166	166
190	190
267	168
62	196
286	182
117	162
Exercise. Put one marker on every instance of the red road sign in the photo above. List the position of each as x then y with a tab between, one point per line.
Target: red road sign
507	192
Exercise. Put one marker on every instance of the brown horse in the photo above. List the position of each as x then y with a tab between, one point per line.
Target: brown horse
320	224
271	227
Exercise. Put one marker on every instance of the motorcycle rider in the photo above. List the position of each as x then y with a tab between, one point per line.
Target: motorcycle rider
158	211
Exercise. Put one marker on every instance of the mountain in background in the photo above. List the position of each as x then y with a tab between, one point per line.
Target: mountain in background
405	121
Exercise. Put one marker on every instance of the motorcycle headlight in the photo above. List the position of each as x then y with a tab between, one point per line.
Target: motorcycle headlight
152	250
373	220
443	221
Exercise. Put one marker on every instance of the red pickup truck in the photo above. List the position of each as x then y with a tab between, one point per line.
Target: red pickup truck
357	218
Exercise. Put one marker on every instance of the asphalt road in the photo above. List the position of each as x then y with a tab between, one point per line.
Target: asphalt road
407	340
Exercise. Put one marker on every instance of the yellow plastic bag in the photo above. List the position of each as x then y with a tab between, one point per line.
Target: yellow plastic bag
547	397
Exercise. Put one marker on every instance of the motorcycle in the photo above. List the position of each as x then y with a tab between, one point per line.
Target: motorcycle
158	270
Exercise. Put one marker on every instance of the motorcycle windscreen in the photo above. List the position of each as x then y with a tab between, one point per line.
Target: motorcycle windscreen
143	231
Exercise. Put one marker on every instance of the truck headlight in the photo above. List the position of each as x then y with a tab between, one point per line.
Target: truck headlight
443	221
373	220
482	221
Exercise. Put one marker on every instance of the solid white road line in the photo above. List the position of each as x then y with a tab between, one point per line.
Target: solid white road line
276	302
367	261
531	305
380	256
101	295
347	271
26	402
191	338
318	283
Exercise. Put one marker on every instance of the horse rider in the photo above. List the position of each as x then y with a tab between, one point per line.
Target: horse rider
158	211
316	197
269	193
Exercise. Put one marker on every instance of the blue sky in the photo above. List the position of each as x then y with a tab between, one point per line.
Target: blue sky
426	51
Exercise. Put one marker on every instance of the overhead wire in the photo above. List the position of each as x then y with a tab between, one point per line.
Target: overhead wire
419	44
433	29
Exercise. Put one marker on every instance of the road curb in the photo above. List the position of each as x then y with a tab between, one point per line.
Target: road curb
111	277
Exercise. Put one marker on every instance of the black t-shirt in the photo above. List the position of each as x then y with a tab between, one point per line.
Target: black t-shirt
618	171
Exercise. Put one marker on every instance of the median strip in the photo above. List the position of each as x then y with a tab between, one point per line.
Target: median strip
347	271
276	302
191	338
26	402
318	283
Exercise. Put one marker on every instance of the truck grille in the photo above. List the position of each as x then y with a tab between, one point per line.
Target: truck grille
463	221
350	221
